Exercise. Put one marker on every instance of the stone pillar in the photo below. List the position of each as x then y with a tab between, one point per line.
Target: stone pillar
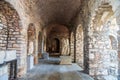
35	59
42	50
69	43
118	54
75	45
86	49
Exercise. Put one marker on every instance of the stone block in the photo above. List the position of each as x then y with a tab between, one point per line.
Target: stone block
13	38
92	72
4	72
16	33
16	46
110	77
65	60
92	56
102	72
30	62
10	55
2	57
45	55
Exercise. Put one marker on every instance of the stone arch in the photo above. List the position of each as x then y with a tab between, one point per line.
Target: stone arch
31	53
56	45
100	44
13	38
79	45
31	38
60	32
102	15
10	20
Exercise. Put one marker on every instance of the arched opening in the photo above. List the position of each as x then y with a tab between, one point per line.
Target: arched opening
31	39
11	36
31	46
55	45
57	40
79	46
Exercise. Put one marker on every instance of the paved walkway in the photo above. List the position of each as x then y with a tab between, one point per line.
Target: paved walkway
55	72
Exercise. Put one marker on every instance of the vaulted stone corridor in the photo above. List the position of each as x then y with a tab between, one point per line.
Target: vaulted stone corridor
40	39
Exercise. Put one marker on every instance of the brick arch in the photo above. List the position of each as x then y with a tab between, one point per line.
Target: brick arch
31	44
14	38
11	21
79	45
31	32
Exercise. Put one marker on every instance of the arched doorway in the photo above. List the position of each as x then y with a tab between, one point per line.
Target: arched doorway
11	36
79	45
55	45
31	46
57	40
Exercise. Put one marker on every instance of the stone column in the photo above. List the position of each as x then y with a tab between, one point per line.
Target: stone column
69	43
74	45
118	54
86	50
42	50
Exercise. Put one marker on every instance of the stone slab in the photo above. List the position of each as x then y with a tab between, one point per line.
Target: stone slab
4	72
30	62
65	60
10	55
2	56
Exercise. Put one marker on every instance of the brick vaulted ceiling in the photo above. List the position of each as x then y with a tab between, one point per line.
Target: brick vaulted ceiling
51	11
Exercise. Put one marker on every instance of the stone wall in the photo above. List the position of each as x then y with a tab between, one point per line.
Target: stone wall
103	55
103	59
79	46
3	32
11	38
100	48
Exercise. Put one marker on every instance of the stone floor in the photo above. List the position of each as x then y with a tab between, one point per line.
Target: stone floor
45	71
